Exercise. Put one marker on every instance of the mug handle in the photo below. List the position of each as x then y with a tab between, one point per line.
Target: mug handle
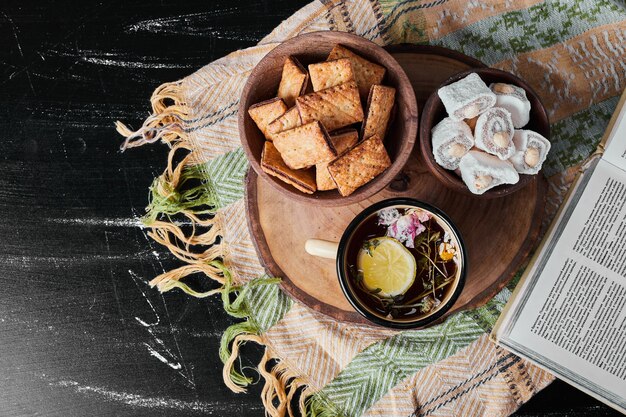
321	248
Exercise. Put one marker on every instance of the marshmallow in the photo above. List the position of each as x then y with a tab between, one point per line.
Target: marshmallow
531	150
466	98
494	133
451	140
513	98
481	172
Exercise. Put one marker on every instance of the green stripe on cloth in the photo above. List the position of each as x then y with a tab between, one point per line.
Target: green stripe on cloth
487	315
576	137
269	305
503	37
226	174
412	28
384	364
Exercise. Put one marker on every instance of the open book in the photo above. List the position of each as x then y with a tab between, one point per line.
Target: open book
568	313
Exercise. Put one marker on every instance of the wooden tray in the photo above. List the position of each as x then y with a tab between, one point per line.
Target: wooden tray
499	234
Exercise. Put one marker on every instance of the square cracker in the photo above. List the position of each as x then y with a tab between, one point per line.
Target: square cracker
330	73
287	121
366	73
293	81
273	164
305	146
342	141
359	165
335	107
379	107
266	111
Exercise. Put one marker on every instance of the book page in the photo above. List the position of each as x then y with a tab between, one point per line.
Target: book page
573	315
615	146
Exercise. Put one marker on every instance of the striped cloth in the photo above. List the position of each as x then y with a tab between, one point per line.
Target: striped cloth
573	53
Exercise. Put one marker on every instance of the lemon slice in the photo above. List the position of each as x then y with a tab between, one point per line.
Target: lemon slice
386	265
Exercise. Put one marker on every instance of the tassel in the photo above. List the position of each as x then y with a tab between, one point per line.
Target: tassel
165	123
166	126
162	281
183	189
237	334
274	388
168	91
167	196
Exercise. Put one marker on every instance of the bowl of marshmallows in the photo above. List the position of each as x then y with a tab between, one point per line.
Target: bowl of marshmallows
485	132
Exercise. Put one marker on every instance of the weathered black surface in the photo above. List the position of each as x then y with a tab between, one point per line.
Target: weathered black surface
80	332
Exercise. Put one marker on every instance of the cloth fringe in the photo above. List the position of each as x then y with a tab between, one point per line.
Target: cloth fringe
281	385
182	190
165	123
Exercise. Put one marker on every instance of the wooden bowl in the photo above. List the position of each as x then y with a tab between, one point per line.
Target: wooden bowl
315	47
434	112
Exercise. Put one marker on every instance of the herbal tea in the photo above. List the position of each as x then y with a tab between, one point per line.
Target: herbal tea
402	262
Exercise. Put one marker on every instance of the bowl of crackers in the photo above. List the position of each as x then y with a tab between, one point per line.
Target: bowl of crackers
485	133
328	118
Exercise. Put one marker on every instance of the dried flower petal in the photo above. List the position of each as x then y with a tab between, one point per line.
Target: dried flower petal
423	216
388	216
406	228
427	304
446	251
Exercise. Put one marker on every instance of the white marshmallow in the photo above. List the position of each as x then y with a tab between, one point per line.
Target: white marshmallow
482	172
451	140
513	98
494	133
531	151
466	98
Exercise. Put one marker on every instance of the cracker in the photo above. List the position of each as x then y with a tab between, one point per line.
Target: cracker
330	73
334	107
379	107
342	141
366	73
293	81
273	164
305	146
266	111
287	121
359	165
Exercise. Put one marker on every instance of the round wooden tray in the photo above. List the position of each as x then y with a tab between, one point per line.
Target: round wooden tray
499	234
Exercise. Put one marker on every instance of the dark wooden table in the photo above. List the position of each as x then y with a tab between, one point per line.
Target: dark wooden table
80	332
